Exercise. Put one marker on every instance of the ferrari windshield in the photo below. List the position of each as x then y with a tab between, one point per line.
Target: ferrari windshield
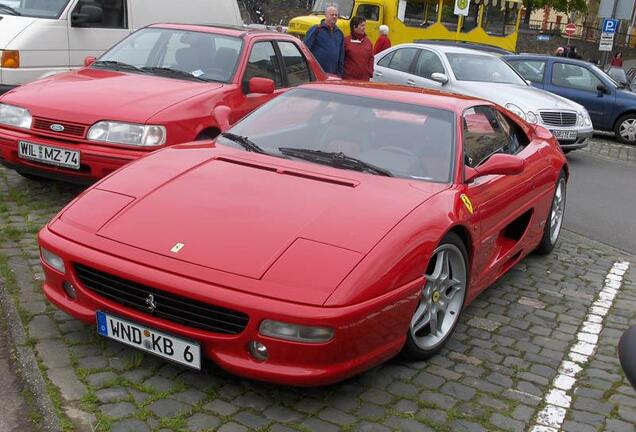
376	136
176	54
483	68
345	7
33	8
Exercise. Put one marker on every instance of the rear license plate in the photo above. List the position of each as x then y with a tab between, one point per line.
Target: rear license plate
49	155
182	351
566	135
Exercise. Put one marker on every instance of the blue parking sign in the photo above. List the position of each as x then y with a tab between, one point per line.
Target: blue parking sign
610	25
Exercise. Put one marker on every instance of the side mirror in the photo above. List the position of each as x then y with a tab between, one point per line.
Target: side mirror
602	89
222	116
439	77
500	164
89	60
88	14
627	354
259	85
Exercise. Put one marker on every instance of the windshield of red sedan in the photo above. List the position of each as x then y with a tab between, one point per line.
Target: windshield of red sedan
157	51
410	141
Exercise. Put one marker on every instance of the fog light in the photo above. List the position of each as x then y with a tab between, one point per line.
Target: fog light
258	350
70	290
53	260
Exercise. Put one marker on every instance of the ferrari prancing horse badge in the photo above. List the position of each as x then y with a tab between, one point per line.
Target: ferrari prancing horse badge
467	203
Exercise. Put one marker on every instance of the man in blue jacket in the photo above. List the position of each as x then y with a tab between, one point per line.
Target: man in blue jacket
326	42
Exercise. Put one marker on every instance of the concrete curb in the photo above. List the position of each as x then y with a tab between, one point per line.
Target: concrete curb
26	363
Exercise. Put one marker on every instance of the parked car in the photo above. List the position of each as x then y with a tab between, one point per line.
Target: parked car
611	107
158	87
481	74
332	228
39	38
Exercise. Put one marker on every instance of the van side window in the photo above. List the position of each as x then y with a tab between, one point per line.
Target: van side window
101	13
369	12
263	63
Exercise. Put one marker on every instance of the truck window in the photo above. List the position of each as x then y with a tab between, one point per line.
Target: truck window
263	63
472	19
449	19
113	12
369	12
295	64
498	21
417	13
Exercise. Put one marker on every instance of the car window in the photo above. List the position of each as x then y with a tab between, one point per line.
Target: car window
483	68
402	59
113	12
574	76
533	70
484	135
263	63
384	61
369	12
295	64
428	63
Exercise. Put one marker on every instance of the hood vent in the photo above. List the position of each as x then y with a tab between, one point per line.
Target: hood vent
290	172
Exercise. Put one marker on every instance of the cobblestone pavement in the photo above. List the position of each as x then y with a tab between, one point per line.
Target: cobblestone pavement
492	376
608	148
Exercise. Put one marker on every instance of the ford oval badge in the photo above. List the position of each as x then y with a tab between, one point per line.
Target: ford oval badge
57	127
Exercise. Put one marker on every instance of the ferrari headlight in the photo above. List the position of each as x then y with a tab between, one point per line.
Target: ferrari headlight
515	109
53	260
127	133
15	116
295	332
531	117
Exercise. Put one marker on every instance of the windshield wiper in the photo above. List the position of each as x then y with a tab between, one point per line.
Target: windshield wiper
173	72
244	141
9	9
117	65
337	159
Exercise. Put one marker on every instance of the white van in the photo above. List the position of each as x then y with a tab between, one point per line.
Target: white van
39	38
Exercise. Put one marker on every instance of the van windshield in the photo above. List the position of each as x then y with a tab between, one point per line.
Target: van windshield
33	8
345	7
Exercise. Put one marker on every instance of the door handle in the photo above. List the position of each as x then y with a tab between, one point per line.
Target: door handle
379	74
410	82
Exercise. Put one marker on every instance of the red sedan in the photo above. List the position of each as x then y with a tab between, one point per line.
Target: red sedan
158	87
331	229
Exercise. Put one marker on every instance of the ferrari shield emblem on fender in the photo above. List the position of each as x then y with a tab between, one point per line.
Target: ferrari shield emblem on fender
467	203
176	248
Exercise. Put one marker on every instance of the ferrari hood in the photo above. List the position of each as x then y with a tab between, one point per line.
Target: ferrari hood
240	215
89	95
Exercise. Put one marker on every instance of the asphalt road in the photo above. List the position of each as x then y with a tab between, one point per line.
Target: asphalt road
602	200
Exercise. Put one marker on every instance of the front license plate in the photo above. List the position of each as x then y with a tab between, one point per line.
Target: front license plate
49	155
182	351
566	135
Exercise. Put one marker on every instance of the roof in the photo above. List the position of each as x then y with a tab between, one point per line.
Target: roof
465	44
451	48
547	57
224	29
412	95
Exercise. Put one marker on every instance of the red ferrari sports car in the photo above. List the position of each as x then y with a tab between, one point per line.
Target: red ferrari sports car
331	229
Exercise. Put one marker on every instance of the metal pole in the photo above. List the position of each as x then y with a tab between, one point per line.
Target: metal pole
607	53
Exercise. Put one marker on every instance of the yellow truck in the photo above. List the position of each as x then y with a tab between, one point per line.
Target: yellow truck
488	22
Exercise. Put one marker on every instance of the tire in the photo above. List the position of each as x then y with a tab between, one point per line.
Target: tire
554	221
436	307
625	129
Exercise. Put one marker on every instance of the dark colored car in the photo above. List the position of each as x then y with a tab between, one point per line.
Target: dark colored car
611	106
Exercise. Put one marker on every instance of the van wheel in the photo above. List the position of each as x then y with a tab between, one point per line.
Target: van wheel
625	129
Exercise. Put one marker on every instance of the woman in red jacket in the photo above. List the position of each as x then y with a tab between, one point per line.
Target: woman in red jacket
358	61
383	41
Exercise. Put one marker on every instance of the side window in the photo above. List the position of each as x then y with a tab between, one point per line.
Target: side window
402	59
533	70
484	135
295	64
427	64
517	138
104	13
263	63
369	12
574	76
384	61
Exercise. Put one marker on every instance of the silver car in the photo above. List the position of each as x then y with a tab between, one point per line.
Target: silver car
483	75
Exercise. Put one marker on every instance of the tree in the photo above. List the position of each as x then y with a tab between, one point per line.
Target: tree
566	6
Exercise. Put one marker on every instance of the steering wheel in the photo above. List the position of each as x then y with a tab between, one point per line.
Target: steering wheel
397	149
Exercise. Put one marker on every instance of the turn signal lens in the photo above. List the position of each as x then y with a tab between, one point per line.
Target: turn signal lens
295	332
10	59
53	260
